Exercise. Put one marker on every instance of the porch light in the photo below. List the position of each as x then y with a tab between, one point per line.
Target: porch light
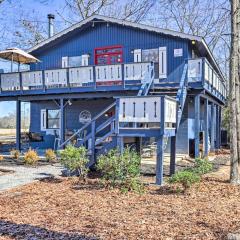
69	102
193	42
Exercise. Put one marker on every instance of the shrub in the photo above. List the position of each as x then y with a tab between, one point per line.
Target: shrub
31	157
50	155
75	159
133	184
185	178
1	158
121	170
202	166
15	153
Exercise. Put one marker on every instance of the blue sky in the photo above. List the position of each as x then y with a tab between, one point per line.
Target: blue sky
42	8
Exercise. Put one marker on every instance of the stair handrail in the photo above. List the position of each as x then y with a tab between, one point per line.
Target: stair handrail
183	82
151	81
147	75
88	124
180	94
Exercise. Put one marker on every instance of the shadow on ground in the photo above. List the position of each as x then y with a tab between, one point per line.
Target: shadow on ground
29	232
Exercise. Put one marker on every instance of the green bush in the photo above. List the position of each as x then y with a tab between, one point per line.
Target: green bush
121	170
202	166
192	175
185	178
75	159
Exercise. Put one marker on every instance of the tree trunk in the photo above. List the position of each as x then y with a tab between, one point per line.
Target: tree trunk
234	94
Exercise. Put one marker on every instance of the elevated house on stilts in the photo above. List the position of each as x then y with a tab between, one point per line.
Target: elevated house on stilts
106	83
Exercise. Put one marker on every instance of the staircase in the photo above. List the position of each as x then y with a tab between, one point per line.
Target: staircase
88	135
182	94
147	82
100	135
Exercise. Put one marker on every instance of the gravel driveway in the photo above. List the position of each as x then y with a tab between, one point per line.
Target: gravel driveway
25	174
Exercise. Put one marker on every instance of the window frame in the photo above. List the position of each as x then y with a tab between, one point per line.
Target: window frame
47	118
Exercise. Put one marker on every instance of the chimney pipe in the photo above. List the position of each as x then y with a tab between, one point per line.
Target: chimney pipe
51	18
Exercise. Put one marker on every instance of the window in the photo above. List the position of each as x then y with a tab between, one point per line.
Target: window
150	55
75	61
53	119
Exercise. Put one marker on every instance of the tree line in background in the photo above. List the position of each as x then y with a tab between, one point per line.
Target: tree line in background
9	121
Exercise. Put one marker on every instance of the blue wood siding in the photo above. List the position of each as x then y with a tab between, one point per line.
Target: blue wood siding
85	41
72	116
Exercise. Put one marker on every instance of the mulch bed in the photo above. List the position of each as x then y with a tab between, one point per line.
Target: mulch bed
64	209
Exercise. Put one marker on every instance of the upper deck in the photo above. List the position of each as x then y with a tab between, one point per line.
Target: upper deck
115	77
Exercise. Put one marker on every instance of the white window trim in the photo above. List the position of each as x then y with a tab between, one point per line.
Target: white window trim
64	62
43	119
137	55
85	60
162	62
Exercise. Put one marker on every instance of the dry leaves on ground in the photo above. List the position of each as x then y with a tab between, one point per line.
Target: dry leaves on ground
60	209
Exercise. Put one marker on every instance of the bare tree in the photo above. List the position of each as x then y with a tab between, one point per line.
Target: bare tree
234	91
77	10
209	19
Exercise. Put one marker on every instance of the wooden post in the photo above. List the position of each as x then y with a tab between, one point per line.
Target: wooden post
62	117
173	155
206	128
120	144
217	128
160	158
197	123
160	149
213	122
220	121
18	125
93	137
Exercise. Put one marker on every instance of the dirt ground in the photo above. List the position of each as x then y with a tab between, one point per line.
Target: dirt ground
63	209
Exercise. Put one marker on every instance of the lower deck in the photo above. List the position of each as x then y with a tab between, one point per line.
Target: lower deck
147	124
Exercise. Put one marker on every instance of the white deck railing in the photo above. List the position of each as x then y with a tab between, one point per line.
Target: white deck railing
56	78
142	110
10	81
31	80
199	70
82	76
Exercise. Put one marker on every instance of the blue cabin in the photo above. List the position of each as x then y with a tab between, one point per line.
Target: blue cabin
106	83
